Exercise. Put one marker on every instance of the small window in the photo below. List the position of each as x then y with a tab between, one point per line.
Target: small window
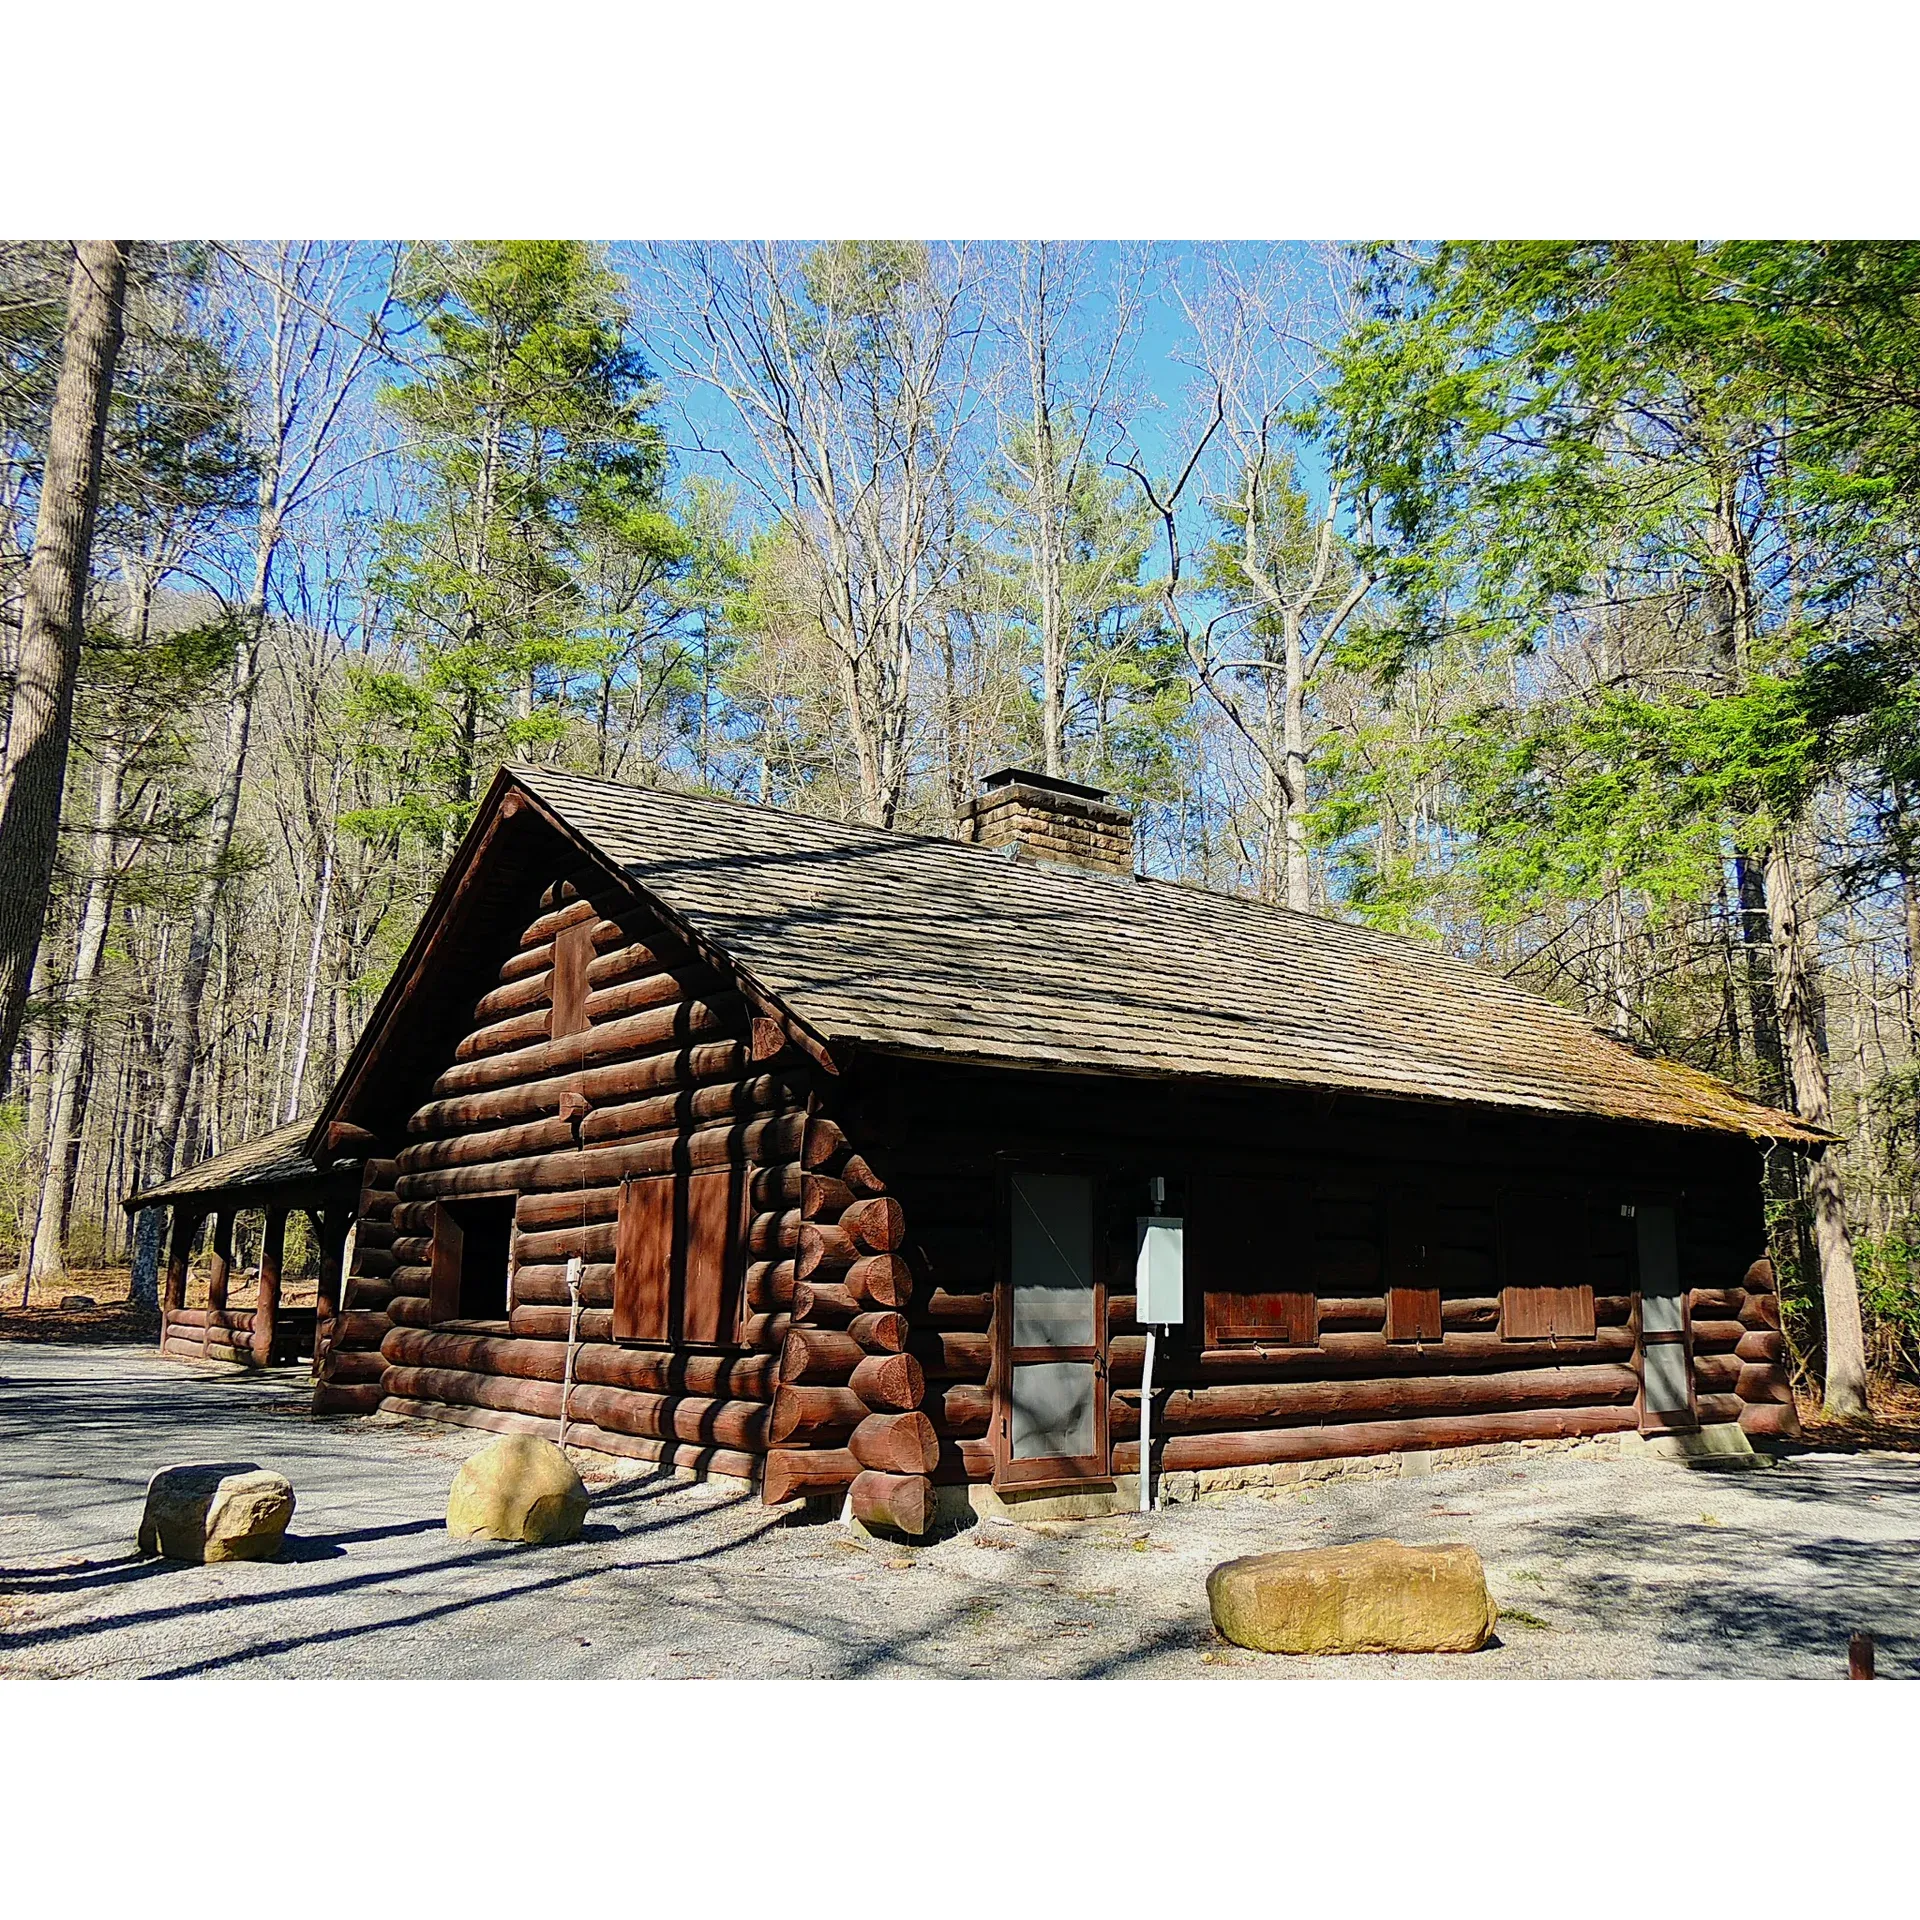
472	1245
1545	1293
675	1257
1413	1296
572	954
1251	1245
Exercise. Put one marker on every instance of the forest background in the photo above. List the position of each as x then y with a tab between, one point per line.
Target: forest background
1552	602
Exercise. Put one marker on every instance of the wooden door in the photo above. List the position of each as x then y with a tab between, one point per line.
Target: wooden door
1050	1417
1666	1329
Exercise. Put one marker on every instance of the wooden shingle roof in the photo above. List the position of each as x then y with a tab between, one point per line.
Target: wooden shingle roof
272	1160
929	947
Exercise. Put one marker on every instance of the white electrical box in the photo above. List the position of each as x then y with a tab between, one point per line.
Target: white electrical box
1160	1272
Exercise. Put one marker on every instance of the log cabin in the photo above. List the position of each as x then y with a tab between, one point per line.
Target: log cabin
817	1155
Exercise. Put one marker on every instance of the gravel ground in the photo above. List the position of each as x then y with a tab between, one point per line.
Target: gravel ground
1602	1569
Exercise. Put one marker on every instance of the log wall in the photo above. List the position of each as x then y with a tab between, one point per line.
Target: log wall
660	1077
930	1140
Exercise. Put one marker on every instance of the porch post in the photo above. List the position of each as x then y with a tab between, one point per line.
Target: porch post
221	1264
267	1308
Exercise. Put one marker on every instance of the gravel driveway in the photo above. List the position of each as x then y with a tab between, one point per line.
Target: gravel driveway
1602	1569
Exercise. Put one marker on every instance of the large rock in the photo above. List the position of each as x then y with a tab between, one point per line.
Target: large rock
1376	1597
231	1511
518	1488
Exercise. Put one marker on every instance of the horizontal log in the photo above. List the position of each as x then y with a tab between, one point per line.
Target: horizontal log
628	959
355	1328
1761	1313
1716	1336
654	1031
545	1285
818	1354
901	1501
737	1424
542	931
778	1188
879	1224
769	1284
824	1300
859	1176
883	1332
766	1331
410	1310
718	1146
824	1248
1717	1409
964	1461
957	1309
896	1443
810	1413
345	1367
880	1280
524	991
794	1473
1716	1372
361	1397
539	1212
550	1323
1762	1345
642	990
664	1066
583	1434
1359	1355
1201	1451
824	1144
1764	1383
504	1035
593	1241
1231	1409
771	1234
889	1382
821	1196
595	1363
960	1412
687	1106
1718	1303
952	1356
1771	1421
528	962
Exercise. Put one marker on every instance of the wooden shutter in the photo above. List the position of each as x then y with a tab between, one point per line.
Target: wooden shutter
572	950
443	1301
1413	1299
714	1231
643	1260
1250	1253
1545	1292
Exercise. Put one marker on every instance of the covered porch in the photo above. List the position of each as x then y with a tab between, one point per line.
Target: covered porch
274	1177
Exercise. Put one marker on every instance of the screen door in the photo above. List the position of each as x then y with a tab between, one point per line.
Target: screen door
1051	1423
1666	1349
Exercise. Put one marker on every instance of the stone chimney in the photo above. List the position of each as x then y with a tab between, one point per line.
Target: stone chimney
1047	819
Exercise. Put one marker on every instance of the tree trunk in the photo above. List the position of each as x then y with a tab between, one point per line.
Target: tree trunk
46	1259
35	767
1794	993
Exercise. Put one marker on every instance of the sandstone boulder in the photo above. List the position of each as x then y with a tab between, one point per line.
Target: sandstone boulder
230	1511
518	1488
77	1302
1374	1597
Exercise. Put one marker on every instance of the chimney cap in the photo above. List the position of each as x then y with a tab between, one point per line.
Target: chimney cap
1051	783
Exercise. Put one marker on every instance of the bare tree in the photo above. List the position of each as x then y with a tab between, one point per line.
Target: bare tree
1278	570
849	370
40	721
1071	325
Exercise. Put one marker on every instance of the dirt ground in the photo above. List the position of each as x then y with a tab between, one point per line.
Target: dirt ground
1602	1568
113	1319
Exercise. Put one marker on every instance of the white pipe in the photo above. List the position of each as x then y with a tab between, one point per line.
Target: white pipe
1146	1429
573	1339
